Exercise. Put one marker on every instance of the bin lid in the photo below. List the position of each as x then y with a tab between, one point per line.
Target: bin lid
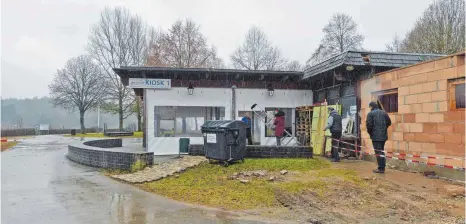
220	124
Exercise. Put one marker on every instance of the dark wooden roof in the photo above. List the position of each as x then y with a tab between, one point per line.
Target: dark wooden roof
367	59
196	73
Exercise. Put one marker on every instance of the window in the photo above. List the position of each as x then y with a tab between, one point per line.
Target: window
288	120
456	94
172	121
387	100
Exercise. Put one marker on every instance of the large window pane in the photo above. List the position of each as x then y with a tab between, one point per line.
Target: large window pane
270	115
389	102
459	96
164	121
183	121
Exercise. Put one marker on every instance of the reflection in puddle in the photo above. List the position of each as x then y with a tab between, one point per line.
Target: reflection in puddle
126	210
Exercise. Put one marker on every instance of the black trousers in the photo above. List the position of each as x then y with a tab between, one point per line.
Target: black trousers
335	136
249	136
379	151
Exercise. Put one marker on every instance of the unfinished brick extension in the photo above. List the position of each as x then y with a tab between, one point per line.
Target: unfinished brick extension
421	103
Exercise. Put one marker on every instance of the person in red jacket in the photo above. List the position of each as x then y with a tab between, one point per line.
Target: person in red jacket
279	123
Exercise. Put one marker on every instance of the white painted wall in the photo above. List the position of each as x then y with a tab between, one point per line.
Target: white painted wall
215	97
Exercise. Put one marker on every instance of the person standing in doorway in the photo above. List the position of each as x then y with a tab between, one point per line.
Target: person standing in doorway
335	126
279	123
377	124
247	120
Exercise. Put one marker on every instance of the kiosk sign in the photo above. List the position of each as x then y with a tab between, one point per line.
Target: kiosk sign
150	83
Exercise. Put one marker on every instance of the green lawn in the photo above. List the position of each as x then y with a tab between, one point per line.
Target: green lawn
208	184
101	135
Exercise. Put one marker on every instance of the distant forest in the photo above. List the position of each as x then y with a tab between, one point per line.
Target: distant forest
30	113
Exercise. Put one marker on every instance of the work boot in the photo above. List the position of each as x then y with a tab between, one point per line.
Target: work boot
378	171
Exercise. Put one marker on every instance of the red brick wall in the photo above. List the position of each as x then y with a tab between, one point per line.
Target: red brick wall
424	123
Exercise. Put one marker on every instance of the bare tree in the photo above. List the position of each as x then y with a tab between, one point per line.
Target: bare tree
396	45
119	39
294	66
440	30
183	46
257	53
340	35
79	85
318	55
138	109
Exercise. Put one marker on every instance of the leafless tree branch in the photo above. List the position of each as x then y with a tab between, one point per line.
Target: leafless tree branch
257	53
340	35
440	30
119	39
183	46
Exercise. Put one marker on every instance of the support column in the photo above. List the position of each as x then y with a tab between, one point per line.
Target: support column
233	102
144	119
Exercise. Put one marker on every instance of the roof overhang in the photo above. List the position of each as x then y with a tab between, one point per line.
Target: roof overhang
200	73
367	59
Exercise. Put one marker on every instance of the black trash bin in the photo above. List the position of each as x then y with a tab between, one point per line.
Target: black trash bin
73	131
225	140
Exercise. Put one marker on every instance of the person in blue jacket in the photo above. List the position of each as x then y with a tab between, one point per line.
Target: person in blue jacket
247	120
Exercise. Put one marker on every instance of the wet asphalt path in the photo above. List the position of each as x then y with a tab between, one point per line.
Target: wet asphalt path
40	185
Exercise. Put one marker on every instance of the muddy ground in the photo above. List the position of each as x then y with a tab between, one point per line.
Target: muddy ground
393	197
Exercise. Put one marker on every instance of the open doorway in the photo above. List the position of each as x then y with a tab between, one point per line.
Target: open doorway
255	126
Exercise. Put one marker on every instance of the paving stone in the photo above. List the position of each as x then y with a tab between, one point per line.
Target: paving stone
163	170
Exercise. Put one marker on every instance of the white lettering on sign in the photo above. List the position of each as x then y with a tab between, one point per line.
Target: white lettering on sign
150	83
211	138
44	127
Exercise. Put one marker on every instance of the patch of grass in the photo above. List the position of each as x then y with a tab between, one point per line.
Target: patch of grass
346	175
208	184
110	172
317	186
7	145
137	134
136	166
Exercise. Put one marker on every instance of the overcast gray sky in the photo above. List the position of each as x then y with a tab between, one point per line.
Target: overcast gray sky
38	36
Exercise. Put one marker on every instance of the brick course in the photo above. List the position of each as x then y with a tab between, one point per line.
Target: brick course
425	124
263	151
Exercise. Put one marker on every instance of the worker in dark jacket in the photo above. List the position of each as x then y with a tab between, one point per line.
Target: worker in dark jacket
247	120
335	125
377	124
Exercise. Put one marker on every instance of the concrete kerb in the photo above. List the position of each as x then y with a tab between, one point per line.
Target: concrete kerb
107	154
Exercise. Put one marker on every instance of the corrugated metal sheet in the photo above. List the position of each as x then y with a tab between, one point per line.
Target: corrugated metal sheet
377	59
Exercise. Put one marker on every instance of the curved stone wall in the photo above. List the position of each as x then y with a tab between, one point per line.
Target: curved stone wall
107	153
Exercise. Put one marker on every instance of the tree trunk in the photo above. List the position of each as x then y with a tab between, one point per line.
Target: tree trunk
120	112
81	120
138	113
